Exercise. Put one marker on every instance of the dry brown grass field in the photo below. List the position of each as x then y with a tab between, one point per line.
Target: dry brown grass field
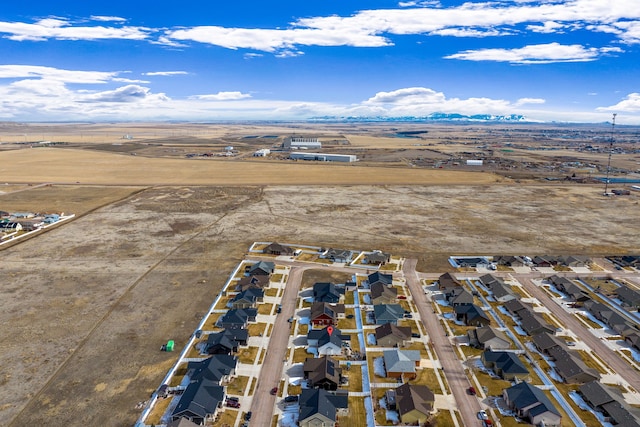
86	305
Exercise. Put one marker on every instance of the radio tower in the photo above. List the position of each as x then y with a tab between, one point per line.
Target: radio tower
606	181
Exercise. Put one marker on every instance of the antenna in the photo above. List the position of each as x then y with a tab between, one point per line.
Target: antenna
606	181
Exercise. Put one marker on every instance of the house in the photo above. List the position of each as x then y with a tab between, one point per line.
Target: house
632	336
515	307
338	255
324	314
276	248
387	313
571	367
414	403
532	323
326	292
447	281
610	403
247	298
383	294
390	335
261	268
327	343
252	282
629	297
544	342
489	280
568	287
320	408
226	342
182	422
323	372
376	258
471	315
502	292
531	403
10	226
607	315
218	368
238	318
401	363
488	338
200	402
574	261
380	278
459	296
509	260
544	261
507	365
204	395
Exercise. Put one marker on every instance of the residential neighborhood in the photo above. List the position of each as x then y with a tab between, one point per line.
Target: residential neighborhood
540	340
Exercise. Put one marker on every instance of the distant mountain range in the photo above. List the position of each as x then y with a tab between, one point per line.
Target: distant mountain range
433	117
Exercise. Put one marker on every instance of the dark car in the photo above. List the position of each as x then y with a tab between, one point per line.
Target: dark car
247	416
350	316
274	391
415	335
290	399
472	391
409	316
233	404
401	297
279	309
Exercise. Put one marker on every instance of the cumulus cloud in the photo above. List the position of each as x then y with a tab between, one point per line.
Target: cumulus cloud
107	18
165	73
129	93
630	104
223	96
62	29
536	54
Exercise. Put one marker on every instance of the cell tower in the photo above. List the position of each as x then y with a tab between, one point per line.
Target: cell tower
606	181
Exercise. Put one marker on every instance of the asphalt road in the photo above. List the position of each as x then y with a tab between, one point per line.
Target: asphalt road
614	361
468	405
271	371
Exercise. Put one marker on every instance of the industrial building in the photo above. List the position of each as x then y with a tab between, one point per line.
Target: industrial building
263	152
297	142
323	157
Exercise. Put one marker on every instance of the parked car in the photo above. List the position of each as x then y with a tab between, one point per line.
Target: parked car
350	316
274	391
292	398
472	391
247	416
233	404
409	316
415	335
279	309
482	415
401	297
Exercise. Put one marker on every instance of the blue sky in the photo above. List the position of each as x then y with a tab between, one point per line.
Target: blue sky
575	60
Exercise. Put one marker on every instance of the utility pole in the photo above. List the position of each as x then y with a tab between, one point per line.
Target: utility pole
606	181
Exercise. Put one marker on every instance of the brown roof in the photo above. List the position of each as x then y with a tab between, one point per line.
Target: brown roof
411	396
399	332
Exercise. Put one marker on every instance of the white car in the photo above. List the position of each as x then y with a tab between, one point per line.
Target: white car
482	415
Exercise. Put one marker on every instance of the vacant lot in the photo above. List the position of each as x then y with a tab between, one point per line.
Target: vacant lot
86	306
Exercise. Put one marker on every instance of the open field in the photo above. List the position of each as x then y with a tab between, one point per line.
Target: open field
88	304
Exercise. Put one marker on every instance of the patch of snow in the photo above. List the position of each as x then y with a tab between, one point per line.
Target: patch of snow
442	302
378	367
366	298
289	418
552	373
579	401
383	403
592	318
371	339
393	417
313	350
304	320
519	331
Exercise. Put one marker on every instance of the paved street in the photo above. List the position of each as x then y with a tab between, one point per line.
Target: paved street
468	405
271	372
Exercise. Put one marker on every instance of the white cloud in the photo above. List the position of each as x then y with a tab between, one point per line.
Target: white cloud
251	55
55	74
54	28
223	96
107	18
631	104
525	101
536	54
129	93
546	27
165	73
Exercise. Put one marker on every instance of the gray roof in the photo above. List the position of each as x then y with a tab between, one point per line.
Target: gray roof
471	312
388	312
628	295
596	393
460	296
487	333
262	266
505	361
523	395
489	280
569	365
401	360
319	401
532	323
325	292
201	398
545	341
322	368
377	277
323	336
379	289
515	306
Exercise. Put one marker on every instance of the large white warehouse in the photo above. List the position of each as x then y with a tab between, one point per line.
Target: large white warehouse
298	142
323	157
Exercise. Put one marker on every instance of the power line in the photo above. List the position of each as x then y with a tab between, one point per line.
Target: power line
606	181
